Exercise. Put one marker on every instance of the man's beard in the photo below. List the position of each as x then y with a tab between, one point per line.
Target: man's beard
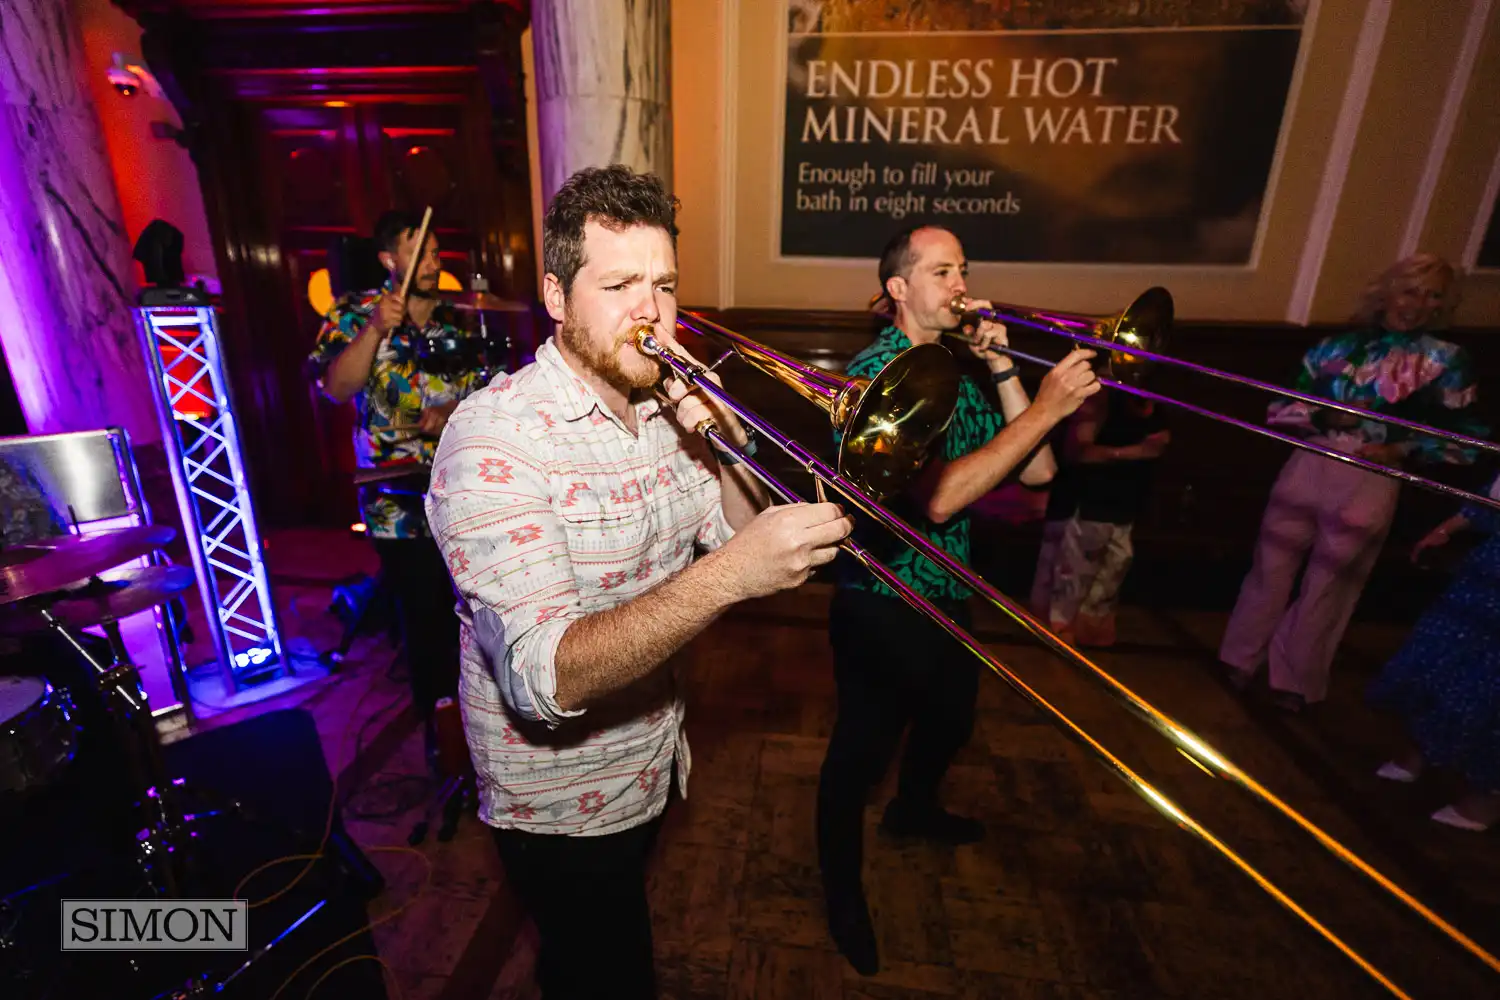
603	362
417	291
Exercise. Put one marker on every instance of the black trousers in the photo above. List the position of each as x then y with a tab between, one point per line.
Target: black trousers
418	580
587	896
893	667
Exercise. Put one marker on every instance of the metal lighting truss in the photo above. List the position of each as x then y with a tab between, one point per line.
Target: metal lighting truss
201	439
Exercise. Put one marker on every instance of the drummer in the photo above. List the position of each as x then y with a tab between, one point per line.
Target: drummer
368	352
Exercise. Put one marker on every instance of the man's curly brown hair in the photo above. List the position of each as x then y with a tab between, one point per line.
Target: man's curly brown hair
616	198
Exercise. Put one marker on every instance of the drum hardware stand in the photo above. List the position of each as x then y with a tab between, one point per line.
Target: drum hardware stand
10	916
450	799
162	848
161	845
362	595
202	986
459	787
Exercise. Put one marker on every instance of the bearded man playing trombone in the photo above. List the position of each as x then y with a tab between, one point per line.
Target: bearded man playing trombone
572	507
893	666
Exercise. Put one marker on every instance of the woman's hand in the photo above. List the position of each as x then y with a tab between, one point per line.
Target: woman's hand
1438	537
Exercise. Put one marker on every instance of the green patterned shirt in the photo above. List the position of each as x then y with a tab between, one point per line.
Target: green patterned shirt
974	423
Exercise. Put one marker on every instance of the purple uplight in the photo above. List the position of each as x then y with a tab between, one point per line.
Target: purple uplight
25	284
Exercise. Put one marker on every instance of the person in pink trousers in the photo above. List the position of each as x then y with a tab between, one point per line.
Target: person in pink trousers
1331	515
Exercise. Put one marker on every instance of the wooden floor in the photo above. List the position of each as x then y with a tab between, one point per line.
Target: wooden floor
1080	889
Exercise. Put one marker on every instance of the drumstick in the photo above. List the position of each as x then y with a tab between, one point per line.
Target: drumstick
415	262
363	477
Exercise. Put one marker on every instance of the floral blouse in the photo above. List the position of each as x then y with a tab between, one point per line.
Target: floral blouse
1412	376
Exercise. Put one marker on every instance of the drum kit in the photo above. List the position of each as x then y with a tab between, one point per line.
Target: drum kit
66	585
484	350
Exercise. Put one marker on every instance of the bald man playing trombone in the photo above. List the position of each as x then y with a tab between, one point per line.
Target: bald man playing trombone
893	666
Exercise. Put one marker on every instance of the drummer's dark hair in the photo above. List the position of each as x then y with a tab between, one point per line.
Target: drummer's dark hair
615	197
390	227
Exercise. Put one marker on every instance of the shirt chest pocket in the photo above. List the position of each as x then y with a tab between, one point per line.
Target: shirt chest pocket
682	475
687	492
609	533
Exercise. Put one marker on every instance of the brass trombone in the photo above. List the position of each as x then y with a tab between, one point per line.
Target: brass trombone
886	425
891	412
1132	341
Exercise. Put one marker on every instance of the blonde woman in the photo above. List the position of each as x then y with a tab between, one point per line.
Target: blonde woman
1330	515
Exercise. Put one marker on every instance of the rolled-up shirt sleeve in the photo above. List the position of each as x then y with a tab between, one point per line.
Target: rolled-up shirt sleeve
491	514
715	529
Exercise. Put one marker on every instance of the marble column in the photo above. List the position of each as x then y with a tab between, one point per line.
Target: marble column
603	86
66	276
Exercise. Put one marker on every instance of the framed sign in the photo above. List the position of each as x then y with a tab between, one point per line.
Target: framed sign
1049	131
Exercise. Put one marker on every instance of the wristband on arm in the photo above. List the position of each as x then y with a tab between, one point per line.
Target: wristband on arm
729	458
1000	378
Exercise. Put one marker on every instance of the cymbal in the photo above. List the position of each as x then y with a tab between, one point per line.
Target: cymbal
118	594
482	302
54	563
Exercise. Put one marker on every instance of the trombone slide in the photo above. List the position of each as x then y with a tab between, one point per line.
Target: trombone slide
1192	746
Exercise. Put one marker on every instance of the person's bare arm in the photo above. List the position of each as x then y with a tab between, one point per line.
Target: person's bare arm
947	487
349	372
609	650
1083	431
1083	438
1439	536
742	494
987	341
1042	466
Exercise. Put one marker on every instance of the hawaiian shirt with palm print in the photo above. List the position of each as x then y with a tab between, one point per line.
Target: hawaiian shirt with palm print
1409	375
395	394
975	422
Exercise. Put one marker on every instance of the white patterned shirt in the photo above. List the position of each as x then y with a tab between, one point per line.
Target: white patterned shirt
546	510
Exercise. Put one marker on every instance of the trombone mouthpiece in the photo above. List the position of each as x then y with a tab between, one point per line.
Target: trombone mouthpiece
956	305
643	335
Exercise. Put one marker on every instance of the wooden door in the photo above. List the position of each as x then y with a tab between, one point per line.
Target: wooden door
305	124
290	173
330	170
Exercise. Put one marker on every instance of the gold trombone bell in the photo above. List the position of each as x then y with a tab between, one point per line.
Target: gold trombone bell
886	425
1145	324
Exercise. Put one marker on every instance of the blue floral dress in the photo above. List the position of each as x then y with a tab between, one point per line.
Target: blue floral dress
1445	682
